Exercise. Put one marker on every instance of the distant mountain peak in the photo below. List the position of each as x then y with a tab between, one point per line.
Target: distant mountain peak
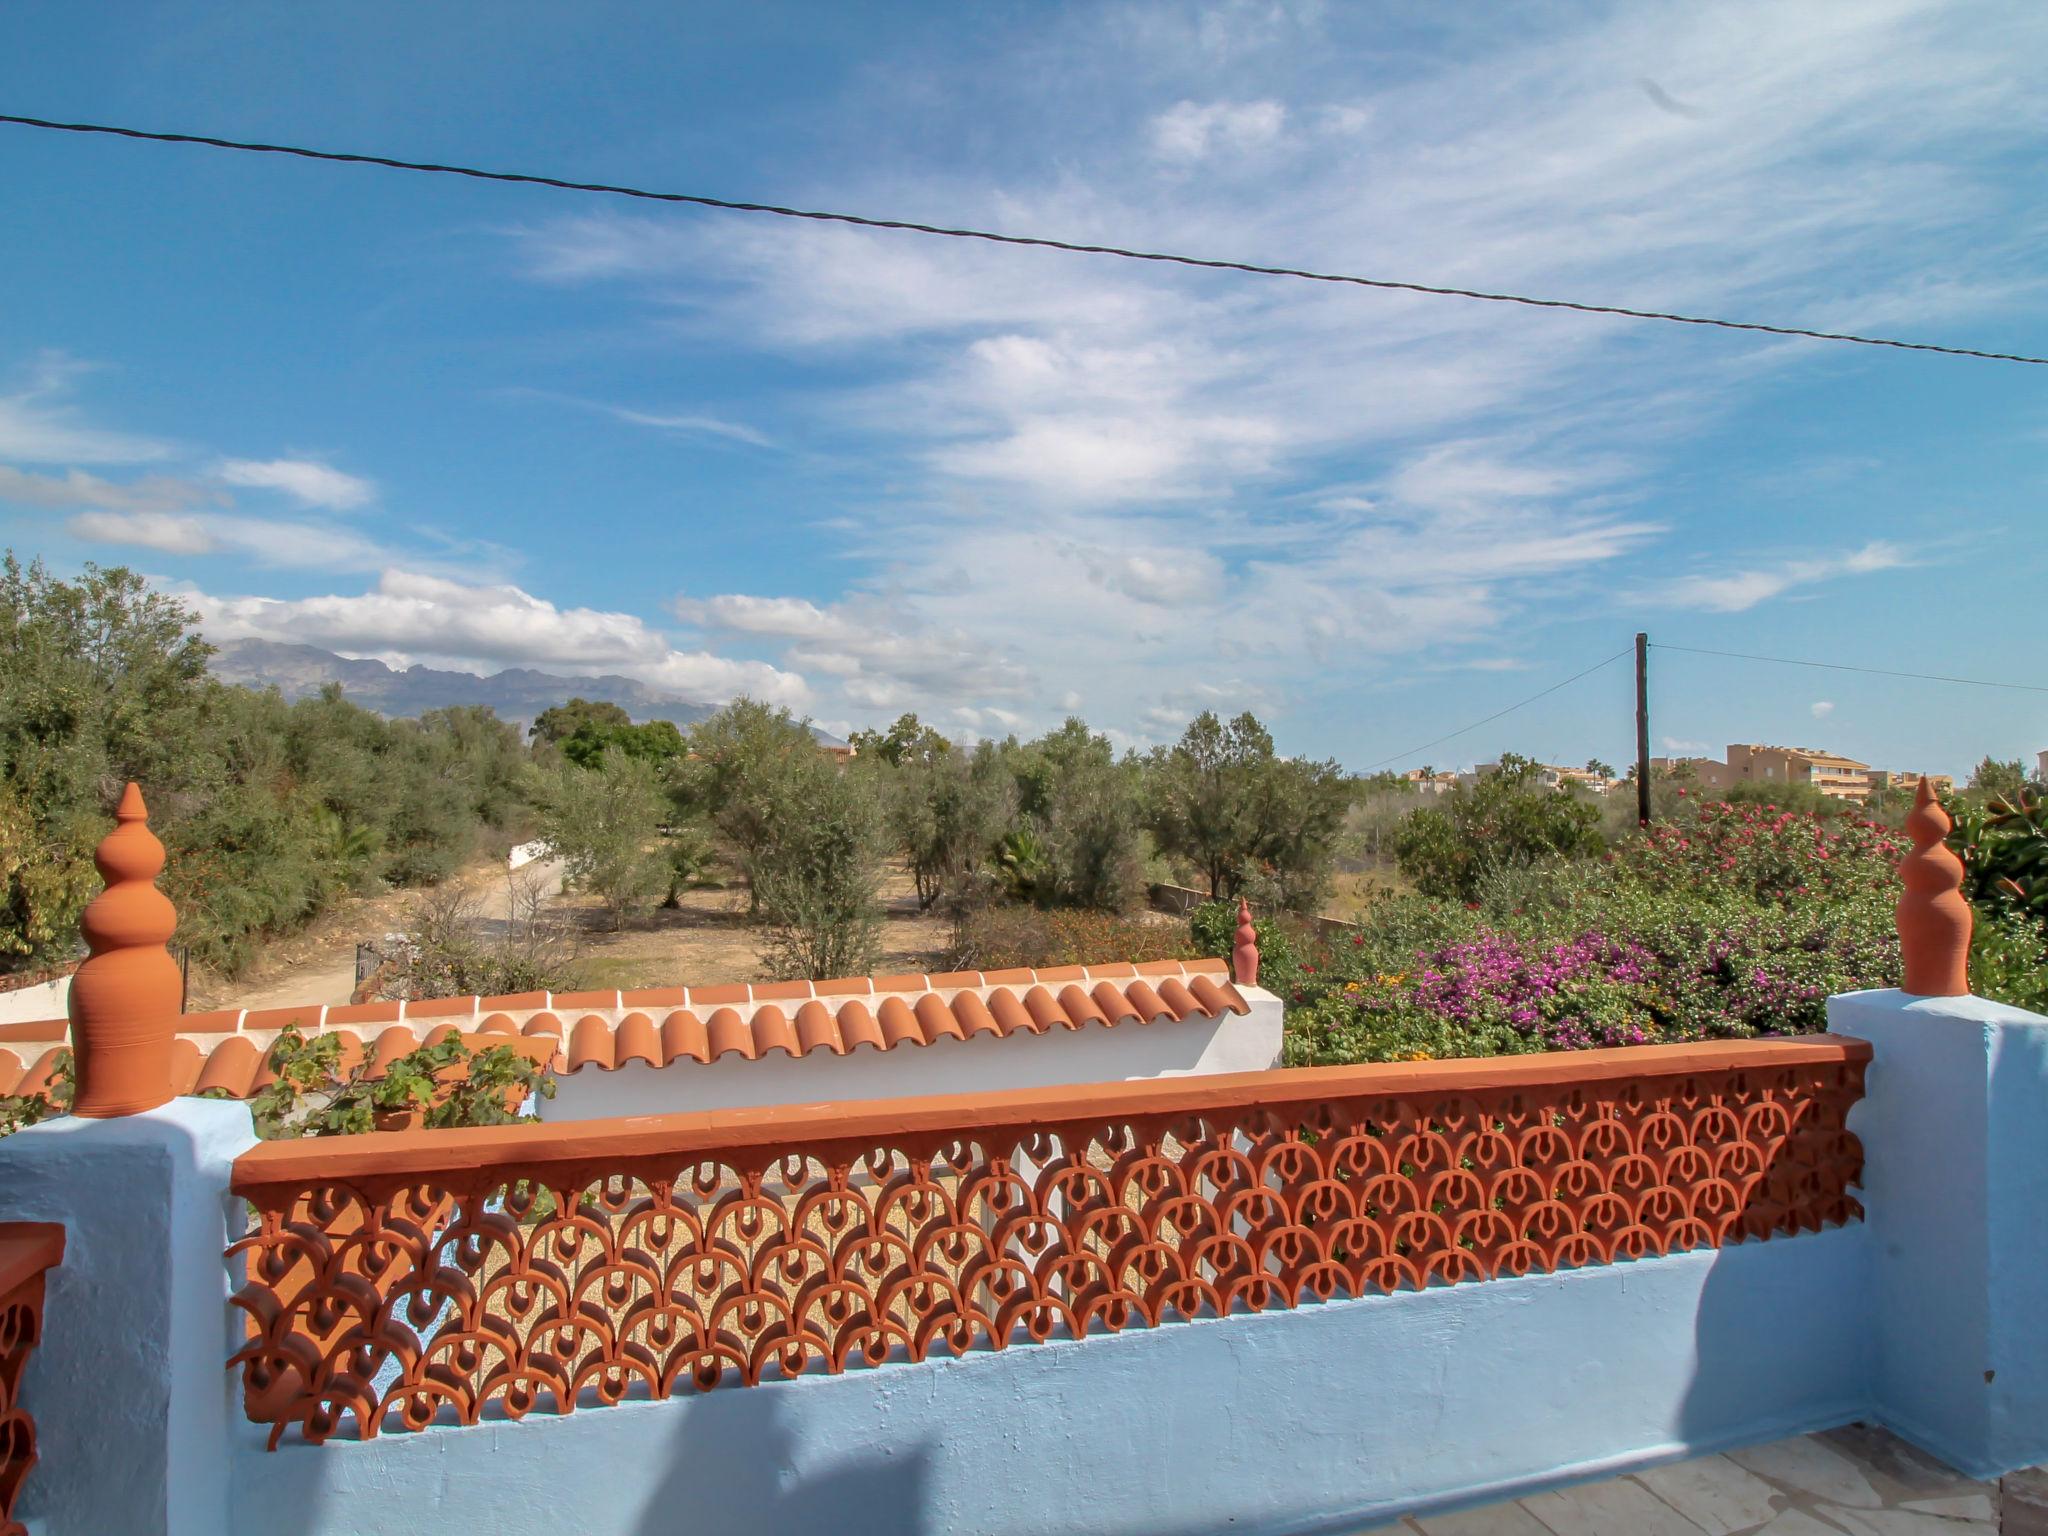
517	694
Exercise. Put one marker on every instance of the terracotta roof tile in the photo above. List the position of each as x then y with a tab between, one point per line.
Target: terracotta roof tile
651	997
699	1025
308	1019
725	1032
591	1042
731	992
442	1008
637	1040
844	986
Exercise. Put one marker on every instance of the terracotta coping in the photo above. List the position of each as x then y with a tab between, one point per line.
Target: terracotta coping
27	1248
534	1146
657	1026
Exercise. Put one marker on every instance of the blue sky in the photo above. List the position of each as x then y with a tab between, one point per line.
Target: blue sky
485	426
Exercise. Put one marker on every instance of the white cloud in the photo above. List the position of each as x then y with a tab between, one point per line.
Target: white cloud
1109	476
308	481
1189	131
410	616
683	421
1822	708
1739	591
267	541
39	424
76	488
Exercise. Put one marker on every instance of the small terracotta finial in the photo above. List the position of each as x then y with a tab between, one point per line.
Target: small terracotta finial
1244	959
1934	919
124	998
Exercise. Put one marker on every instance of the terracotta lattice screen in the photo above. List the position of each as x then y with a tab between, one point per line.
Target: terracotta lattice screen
400	1280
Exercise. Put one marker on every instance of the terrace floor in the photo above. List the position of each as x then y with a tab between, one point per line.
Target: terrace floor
1855	1481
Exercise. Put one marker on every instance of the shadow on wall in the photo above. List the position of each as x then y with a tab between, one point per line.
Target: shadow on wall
1780	1339
744	1462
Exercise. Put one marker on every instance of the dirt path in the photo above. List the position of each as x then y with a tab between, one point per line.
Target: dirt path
319	964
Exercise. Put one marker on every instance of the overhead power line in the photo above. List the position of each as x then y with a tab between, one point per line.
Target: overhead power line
1461	730
1126	253
1841	666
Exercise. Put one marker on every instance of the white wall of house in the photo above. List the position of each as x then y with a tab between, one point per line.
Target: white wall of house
1092	1054
45	1000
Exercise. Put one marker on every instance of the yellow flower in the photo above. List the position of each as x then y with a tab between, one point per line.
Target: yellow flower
1418	1056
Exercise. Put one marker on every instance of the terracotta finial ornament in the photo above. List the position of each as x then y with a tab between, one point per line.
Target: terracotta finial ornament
1244	959
1934	919
124	999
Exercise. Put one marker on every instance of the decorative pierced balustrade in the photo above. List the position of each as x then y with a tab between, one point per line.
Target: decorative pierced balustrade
399	1280
28	1250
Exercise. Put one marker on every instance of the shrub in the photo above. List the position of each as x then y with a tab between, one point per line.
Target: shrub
1506	820
999	938
451	950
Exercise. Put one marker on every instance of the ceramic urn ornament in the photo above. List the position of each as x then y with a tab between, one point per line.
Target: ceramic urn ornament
1933	916
125	997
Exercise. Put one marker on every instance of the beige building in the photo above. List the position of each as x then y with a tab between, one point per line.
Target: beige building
1837	777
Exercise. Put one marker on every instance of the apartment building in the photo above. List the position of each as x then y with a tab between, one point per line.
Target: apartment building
1837	777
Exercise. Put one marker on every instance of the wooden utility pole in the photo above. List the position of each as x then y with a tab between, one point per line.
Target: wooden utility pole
1643	729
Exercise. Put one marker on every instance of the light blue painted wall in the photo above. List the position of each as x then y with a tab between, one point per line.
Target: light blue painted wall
1315	1420
1954	1127
131	1402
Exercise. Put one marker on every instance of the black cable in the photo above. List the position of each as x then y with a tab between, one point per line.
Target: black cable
1840	666
1461	730
1256	269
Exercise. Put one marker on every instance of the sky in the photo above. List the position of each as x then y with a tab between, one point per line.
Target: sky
859	472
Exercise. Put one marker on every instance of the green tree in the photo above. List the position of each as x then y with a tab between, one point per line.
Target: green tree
101	681
1086	807
947	811
748	765
909	739
1222	799
1508	820
817	878
564	720
2001	779
657	742
603	824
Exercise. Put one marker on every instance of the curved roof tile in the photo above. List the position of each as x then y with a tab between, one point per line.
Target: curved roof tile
229	1049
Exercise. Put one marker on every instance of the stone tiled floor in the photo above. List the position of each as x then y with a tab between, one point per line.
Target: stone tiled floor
1857	1481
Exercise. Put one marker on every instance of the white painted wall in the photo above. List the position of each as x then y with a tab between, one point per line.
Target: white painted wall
44	1000
1092	1054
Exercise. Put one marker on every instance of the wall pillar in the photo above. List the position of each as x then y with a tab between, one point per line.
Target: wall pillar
130	1390
1955	1136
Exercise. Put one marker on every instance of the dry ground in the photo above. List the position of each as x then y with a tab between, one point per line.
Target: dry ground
710	938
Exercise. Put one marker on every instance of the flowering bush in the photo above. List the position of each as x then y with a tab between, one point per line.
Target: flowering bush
1739	921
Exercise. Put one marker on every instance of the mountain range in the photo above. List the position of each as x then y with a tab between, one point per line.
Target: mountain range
517	694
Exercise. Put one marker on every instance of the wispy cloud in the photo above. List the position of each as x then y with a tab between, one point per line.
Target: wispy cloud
1084	454
1739	591
1188	131
76	488
307	481
40	423
267	541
